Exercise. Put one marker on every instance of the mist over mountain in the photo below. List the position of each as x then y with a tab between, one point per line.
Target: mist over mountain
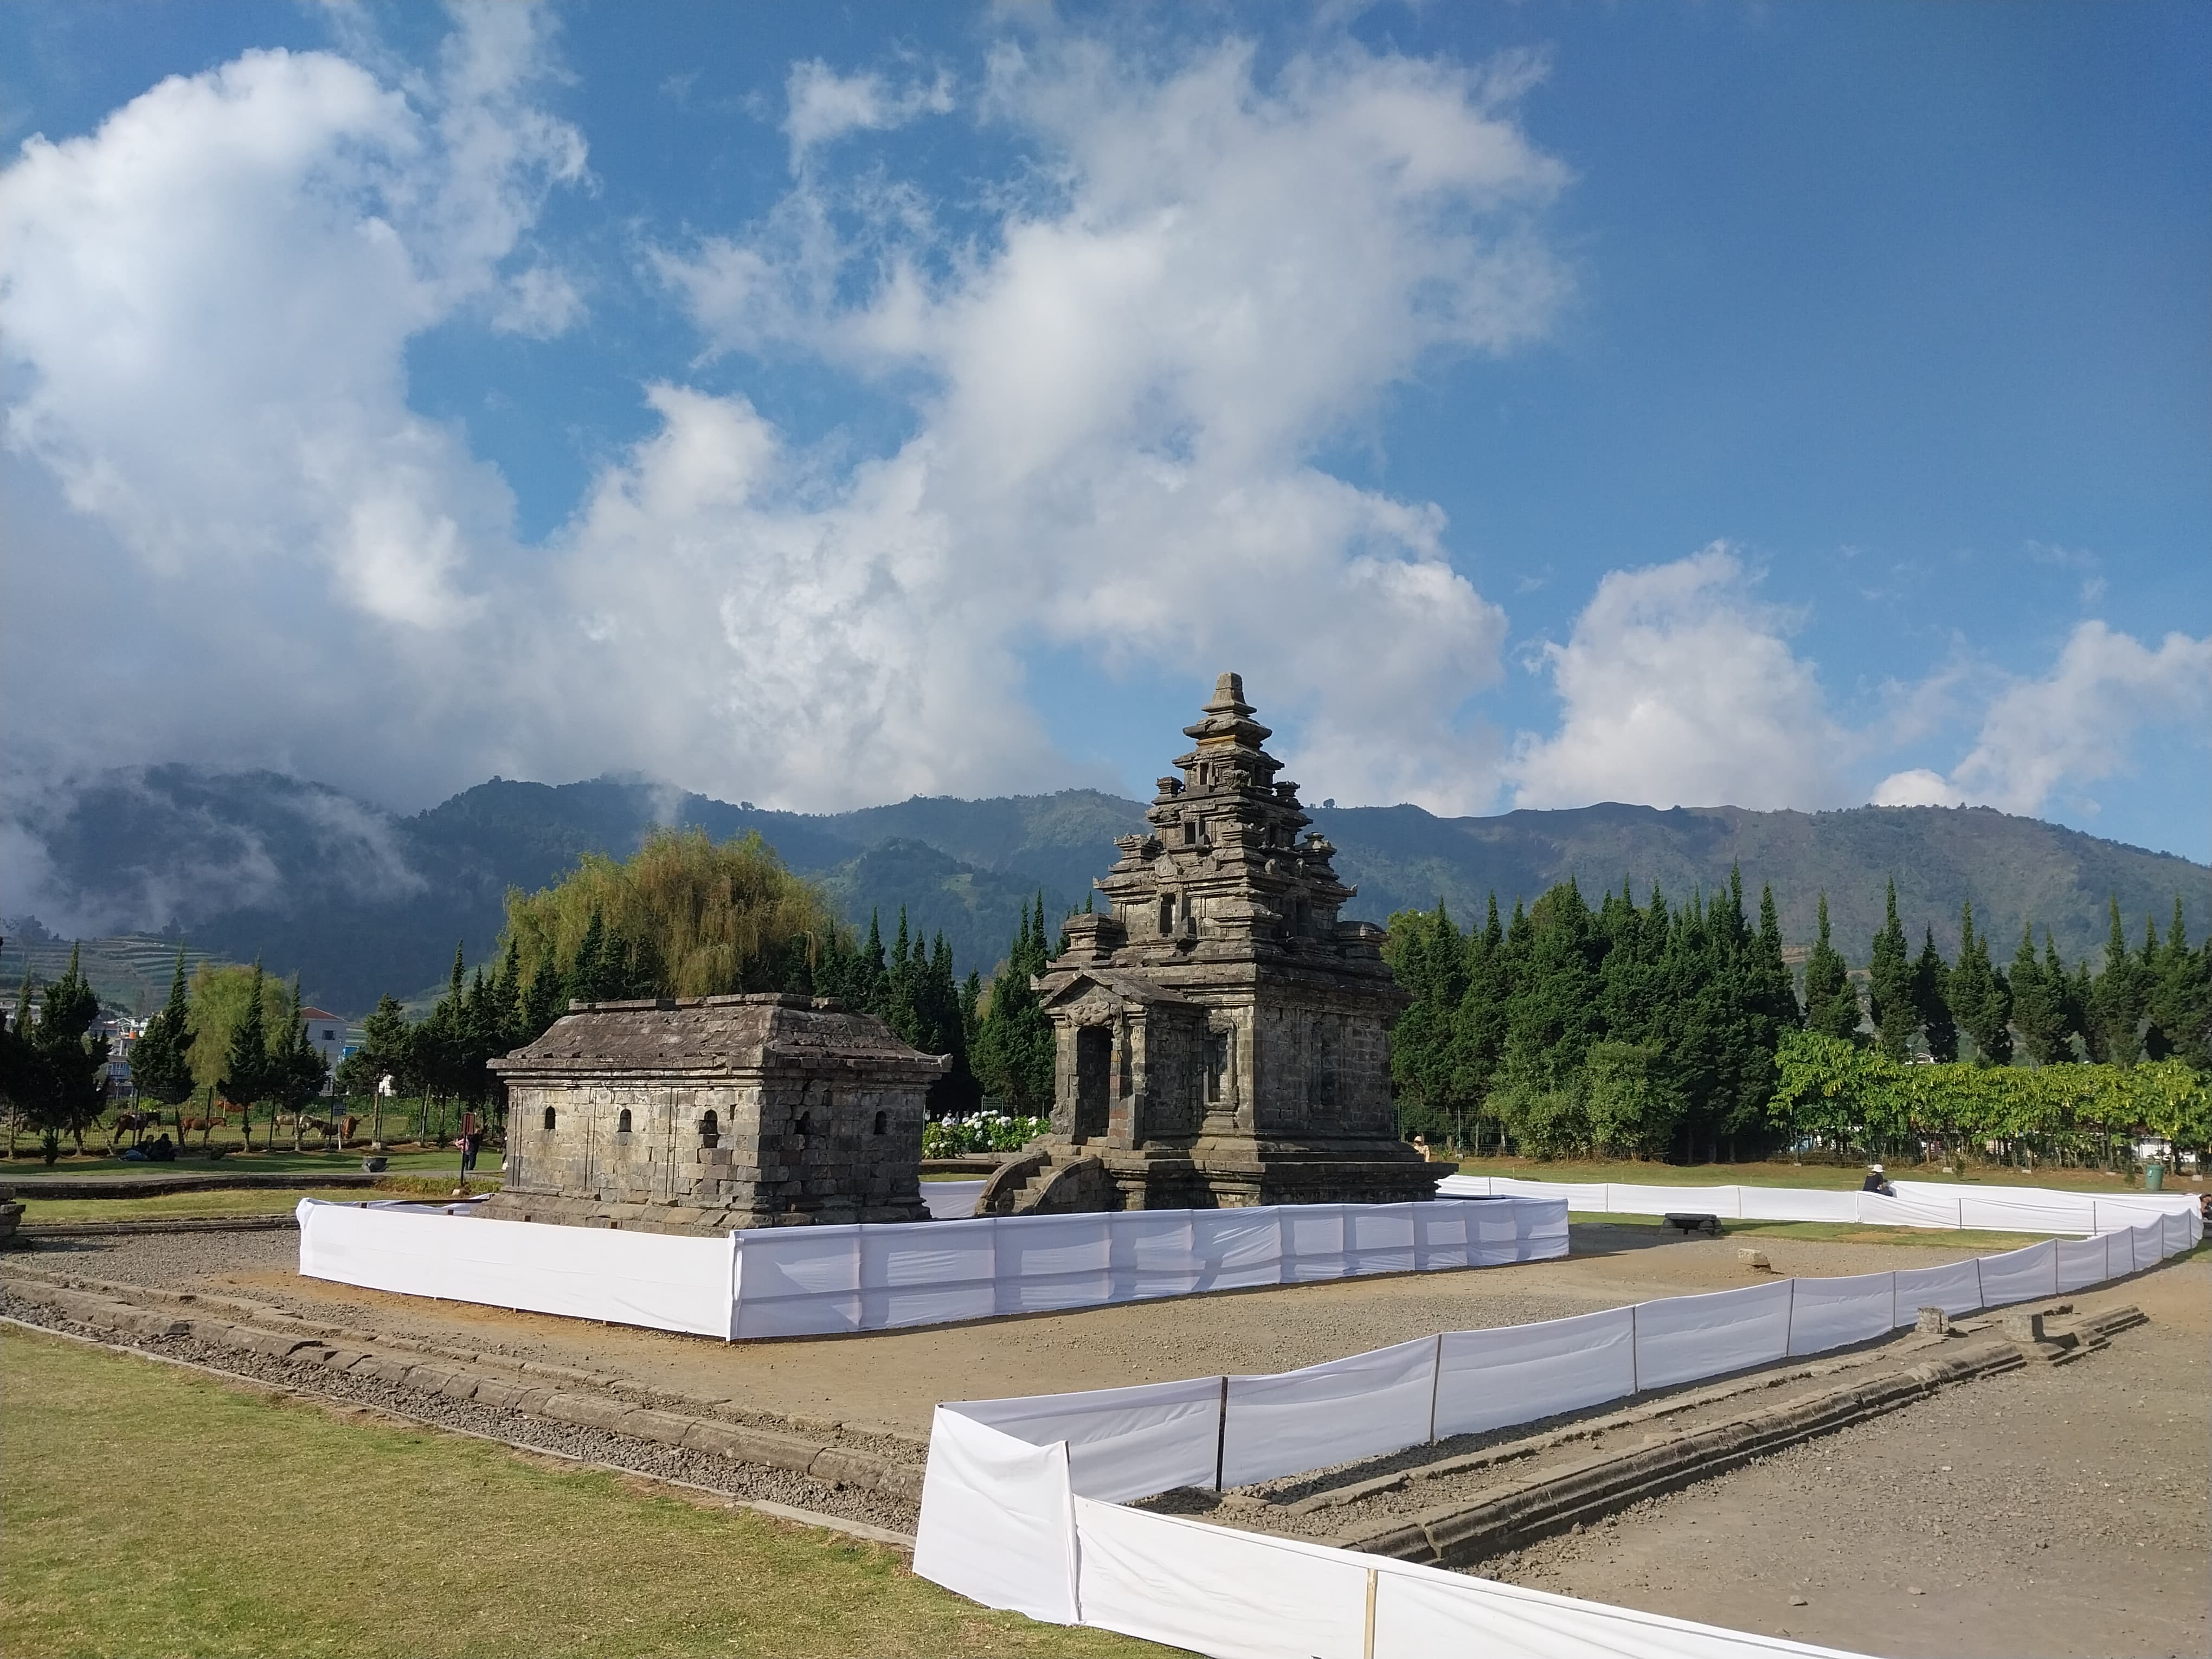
360	900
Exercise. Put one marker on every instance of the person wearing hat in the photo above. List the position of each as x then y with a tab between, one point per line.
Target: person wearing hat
1876	1181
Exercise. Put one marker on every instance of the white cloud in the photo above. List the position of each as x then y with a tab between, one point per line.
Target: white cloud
1679	688
2075	726
825	105
1190	280
540	302
207	299
1918	788
1218	274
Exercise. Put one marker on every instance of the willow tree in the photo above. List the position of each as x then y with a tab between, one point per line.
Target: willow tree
683	915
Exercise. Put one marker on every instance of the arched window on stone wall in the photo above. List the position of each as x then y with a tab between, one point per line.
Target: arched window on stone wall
806	1125
622	1123
710	1128
882	1122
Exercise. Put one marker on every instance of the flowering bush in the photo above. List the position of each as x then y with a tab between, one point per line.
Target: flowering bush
985	1132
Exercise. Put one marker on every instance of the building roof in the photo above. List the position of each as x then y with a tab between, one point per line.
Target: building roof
715	1035
322	1013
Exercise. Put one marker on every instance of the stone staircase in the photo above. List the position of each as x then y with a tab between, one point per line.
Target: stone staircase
1055	1180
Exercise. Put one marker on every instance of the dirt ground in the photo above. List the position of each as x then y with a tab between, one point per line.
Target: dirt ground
891	1380
2053	1510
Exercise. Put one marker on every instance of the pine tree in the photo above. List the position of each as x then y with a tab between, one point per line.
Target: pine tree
1777	996
297	1069
588	972
2039	1004
1931	1001
2180	1000
160	1060
75	1061
1014	1055
2118	1002
246	1080
1831	1004
1429	958
1980	999
1889	974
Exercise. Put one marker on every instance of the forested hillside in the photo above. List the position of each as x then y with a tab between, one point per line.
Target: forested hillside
359	901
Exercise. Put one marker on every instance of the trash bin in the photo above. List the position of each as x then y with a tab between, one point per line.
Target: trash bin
2153	1177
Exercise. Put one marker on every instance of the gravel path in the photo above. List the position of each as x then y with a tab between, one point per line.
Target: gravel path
595	1445
2053	1510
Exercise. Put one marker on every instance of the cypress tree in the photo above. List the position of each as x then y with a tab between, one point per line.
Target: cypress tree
245	1071
1980	999
297	1069
1832	1005
160	1060
1889	975
1931	1001
588	973
2117	1003
2180	1001
75	1061
2039	1004
1777	996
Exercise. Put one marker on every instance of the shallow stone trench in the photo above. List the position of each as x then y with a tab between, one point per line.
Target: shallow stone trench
647	1457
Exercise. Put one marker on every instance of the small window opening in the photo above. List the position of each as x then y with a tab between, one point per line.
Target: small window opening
806	1125
622	1123
549	1119
1190	832
883	1121
1216	1064
710	1128
1167	914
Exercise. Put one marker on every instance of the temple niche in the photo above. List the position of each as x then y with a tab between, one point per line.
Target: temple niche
1222	1038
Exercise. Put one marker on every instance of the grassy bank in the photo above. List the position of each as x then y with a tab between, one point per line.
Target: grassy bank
1834	1232
147	1510
1845	1176
27	1170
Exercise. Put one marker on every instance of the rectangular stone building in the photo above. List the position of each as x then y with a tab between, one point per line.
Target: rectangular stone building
714	1113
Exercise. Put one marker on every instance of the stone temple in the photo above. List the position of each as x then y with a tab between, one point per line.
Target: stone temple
1223	1039
702	1115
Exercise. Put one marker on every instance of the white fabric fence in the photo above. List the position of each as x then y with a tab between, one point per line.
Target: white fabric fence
818	1281
1917	1204
668	1283
951	1200
1021	1507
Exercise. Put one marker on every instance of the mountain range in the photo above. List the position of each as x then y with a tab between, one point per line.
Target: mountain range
359	901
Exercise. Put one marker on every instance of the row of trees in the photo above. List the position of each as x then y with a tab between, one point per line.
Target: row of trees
1649	1029
2154	1003
1653	1030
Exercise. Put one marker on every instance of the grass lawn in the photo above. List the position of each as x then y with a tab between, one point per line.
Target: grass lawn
177	1206
1847	1176
280	1201
1835	1232
111	1542
27	1170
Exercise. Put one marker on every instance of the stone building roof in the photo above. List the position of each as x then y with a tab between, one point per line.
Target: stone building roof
711	1036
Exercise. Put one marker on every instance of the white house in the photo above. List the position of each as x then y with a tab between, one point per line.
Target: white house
326	1031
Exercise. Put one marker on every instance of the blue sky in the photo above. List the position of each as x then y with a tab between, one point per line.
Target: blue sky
1540	403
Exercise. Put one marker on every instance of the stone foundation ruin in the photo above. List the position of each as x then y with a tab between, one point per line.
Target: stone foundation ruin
1223	1038
707	1114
